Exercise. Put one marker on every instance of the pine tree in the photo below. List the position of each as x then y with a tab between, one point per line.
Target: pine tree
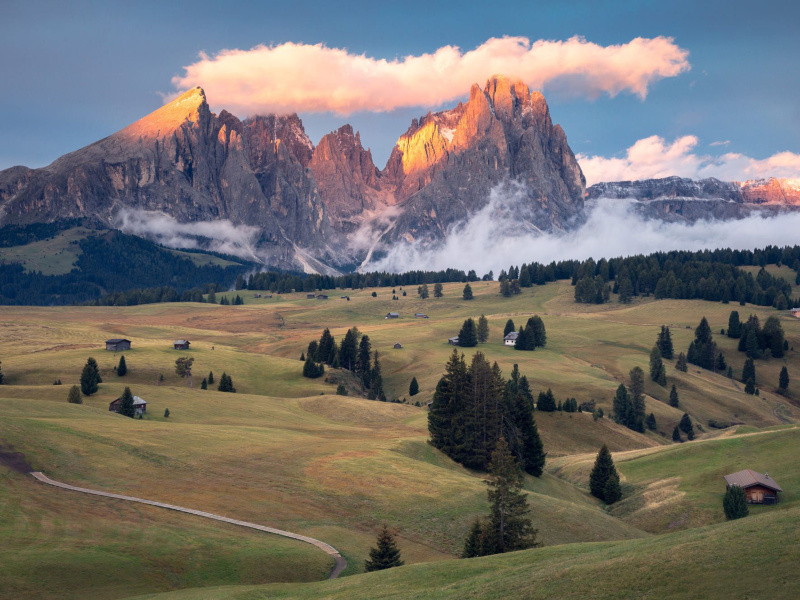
348	351
386	555
680	364
622	406
783	380
602	470
423	291
686	426
538	332
437	290
734	325
326	348
468	336
637	416
413	389
522	342
750	386
509	524
664	343
612	491
448	407
773	336
735	503
651	422
483	329
657	369
74	396
673	397
204	384
546	402
90	377
676	434
122	369
126	407
211	377
509	327
166	413
521	400
749	370
475	544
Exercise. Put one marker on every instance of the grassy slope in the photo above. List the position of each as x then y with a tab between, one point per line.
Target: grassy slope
711	562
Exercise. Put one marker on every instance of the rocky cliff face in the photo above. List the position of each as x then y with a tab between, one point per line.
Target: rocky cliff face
680	199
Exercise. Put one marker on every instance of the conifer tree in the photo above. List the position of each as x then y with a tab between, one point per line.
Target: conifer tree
664	343
376	381
74	396
686	426
183	368
385	555
348	351
211	377
735	503
166	413
423	291
204	384
475	544
90	377
364	360
721	365
546	401
651	422
602	470
680	364
468	336
483	329
625	290
637	416
538	332
703	350
122	369
676	434
509	524
522	341
612	491
126	407
734	325
750	386
445	418
658	372
509	328
326	348
520	399
673	397
783	380
413	389
622	406
749	370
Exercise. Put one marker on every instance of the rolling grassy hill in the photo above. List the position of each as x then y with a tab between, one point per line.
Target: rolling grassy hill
285	452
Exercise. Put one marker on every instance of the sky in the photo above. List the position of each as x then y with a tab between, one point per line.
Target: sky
641	88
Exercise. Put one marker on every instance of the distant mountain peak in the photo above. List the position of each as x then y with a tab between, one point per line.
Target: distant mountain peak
190	106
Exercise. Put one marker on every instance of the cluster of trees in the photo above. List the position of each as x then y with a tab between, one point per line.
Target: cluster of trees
629	405
604	479
473	407
226	383
686	426
237	300
471	334
703	349
532	336
354	354
756	341
508	527
546	402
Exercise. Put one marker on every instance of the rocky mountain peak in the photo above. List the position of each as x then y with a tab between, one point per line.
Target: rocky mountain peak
190	108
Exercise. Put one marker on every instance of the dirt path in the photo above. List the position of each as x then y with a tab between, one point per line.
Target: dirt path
340	562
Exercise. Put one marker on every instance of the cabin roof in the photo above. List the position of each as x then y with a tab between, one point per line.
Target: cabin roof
181	341
116	340
136	401
749	478
512	335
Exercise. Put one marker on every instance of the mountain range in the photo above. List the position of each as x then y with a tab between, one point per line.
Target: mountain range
328	207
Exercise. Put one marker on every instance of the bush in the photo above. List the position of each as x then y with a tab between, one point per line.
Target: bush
74	396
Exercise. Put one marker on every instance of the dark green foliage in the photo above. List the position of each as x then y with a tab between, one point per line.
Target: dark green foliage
651	422
680	364
673	397
468	336
1	373
376	381
348	350
90	377
622	406
601	472
226	383
311	351
612	492
676	434
385	555
204	384
183	368
311	370
749	371
341	390
750	387
730	372
210	377
74	396
783	380
734	325
570	405
720	366
237	301
509	328
423	291
166	413
224	301
122	369
483	329
658	372
538	332
773	336
546	402
374	294
212	297
437	290
413	388
636	414
735	503
664	343
686	426
505	288
520	424
476	543
364	361
703	350
625	290
509	524
126	407
326	348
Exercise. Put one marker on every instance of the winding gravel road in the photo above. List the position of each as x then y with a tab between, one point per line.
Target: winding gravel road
340	562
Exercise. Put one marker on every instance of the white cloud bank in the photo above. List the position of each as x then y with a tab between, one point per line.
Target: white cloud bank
654	157
293	77
487	241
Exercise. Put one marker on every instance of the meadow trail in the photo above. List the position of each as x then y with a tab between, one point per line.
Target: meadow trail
340	563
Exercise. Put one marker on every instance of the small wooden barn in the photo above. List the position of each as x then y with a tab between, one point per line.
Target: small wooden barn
118	344
181	344
311	296
758	488
453	341
398	346
420	316
392	315
139	405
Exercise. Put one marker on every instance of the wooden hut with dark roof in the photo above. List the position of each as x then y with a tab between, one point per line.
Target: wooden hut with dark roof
758	488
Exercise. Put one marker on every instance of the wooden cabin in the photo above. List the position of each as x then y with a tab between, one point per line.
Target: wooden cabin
139	405
181	344
453	341
421	316
511	338
398	346
758	488
311	296
392	315
118	344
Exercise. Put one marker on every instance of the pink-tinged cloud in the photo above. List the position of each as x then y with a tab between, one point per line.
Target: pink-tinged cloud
653	157
314	78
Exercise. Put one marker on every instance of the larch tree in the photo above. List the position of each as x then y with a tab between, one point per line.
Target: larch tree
183	368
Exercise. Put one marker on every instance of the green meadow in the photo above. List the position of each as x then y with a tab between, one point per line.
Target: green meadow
284	451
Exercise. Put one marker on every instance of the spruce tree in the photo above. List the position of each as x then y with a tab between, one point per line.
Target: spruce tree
204	384
749	370
483	330
326	348
348	350
664	343
166	413
623	408
385	555
90	377
602	470
423	291
447	412
676	434
673	397
750	386
509	327
211	377
783	380
637	416
680	364
437	290
721	365
657	369
734	325
509	524
539	334
364	361
531	448
413	389
74	396
122	369
686	426
126	407
475	544
612	491
651	422
546	401
735	503
468	336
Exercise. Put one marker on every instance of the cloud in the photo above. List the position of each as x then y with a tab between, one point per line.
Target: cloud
294	77
483	243
653	157
720	143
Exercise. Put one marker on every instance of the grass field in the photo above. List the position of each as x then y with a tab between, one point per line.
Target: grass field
285	452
